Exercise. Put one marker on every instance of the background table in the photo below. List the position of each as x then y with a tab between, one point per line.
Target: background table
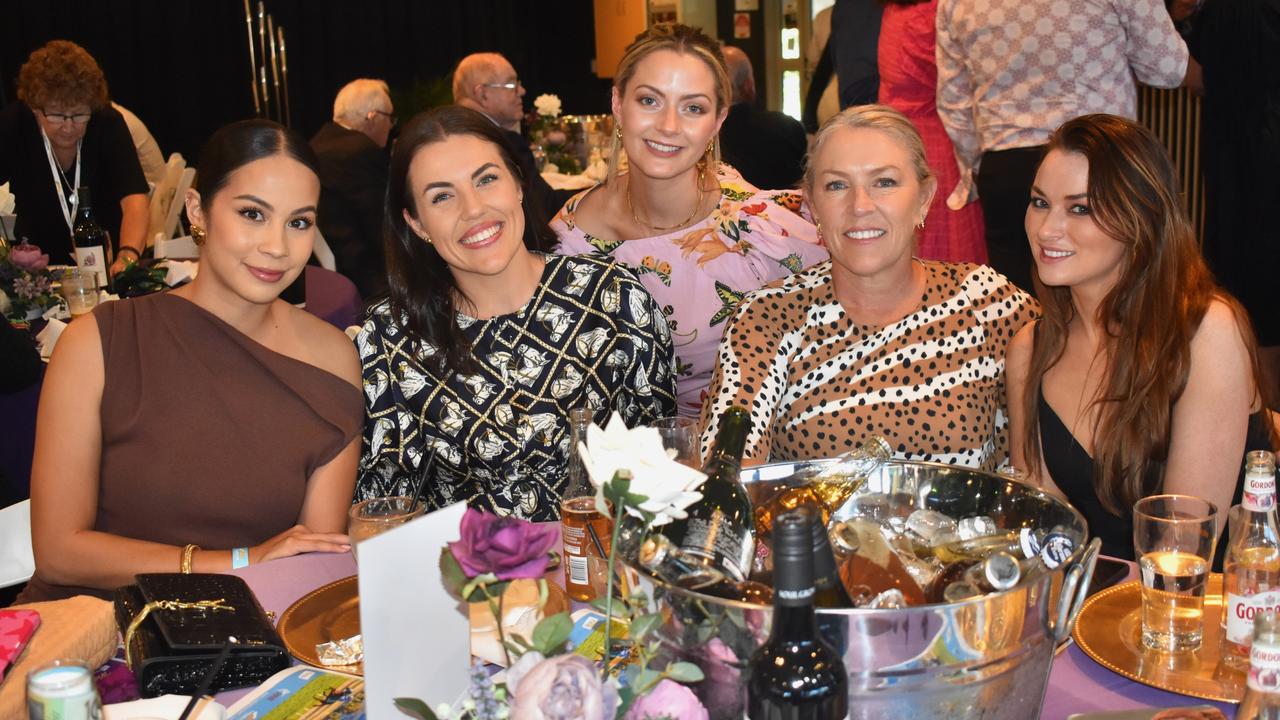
1076	683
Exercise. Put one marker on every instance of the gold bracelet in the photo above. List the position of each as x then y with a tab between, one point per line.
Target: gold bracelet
185	566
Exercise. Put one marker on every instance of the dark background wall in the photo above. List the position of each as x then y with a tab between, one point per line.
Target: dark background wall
183	66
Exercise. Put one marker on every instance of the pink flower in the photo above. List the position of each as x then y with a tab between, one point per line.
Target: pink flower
507	547
28	257
668	699
564	687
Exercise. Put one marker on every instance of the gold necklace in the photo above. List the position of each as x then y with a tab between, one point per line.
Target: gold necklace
702	170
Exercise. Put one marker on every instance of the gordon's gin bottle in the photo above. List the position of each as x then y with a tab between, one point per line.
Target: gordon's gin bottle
1252	566
1262	694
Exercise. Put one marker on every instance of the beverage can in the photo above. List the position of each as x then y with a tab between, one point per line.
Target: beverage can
63	689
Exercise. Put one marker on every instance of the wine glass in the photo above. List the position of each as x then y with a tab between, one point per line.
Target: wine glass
681	434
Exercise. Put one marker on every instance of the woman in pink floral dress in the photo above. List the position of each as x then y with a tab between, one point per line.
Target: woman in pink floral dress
908	84
697	235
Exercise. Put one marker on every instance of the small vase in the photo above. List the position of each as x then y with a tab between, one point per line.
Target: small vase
521	612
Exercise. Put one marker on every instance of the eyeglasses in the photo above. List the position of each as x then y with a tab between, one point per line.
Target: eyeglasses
505	86
59	118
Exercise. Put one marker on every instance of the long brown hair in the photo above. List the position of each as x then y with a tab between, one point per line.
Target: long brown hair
1149	317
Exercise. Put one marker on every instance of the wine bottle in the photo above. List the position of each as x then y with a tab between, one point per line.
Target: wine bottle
92	243
583	529
830	489
1251	576
795	675
828	590
718	528
1262	690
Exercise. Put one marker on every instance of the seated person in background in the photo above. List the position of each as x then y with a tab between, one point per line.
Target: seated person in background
698	236
767	147
1142	376
486	83
144	143
874	342
214	422
486	343
353	181
63	134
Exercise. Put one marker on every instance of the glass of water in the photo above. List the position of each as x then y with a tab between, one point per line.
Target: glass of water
1173	539
681	434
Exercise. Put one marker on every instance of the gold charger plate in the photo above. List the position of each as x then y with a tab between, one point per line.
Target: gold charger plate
323	615
1109	630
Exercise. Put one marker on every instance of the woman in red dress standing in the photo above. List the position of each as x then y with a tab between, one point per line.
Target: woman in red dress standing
908	83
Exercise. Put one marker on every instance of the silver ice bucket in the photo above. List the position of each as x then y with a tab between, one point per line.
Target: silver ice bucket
987	657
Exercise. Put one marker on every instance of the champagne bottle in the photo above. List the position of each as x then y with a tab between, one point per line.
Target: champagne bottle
659	556
795	675
829	591
829	489
91	242
1262	691
584	530
718	529
1251	576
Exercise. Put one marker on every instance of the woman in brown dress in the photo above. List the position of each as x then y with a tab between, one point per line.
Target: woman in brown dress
211	426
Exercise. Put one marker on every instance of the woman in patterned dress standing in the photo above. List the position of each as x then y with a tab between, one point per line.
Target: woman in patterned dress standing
908	84
696	233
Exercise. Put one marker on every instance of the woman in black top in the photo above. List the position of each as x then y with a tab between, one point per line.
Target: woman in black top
1141	378
63	134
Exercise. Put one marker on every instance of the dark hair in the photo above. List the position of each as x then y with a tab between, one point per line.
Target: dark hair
233	146
1149	316
423	291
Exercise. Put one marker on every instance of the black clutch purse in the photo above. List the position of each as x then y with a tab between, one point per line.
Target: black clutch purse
175	625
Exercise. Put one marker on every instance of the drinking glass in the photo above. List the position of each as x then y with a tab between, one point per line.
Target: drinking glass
1173	538
375	516
681	434
80	289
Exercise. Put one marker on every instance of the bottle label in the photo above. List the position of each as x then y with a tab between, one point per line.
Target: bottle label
1241	610
1057	548
93	259
714	538
1264	668
1259	492
1029	543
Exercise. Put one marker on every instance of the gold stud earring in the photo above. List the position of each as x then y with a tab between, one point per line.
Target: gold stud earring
197	234
427	238
921	225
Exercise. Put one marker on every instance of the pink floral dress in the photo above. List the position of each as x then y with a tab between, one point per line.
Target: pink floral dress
699	274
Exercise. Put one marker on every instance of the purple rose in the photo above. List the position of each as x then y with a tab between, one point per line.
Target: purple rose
28	257
668	699
565	687
510	548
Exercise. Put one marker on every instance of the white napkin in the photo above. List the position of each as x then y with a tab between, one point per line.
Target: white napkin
165	706
48	337
177	271
7	201
57	312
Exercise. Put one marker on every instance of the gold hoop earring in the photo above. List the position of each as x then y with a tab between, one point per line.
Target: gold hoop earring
197	234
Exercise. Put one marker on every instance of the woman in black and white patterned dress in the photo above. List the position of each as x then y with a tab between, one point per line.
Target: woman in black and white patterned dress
486	343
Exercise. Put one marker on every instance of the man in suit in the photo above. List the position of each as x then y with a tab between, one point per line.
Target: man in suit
488	84
353	181
766	147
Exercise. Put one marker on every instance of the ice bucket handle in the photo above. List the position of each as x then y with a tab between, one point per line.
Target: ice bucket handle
1075	587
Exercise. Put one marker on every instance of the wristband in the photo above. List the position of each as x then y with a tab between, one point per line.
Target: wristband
239	558
131	249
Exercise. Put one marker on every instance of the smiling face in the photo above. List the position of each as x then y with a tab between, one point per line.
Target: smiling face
63	134
1069	247
668	113
467	201
867	198
259	227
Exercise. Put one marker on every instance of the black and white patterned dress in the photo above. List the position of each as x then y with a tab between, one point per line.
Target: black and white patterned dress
591	335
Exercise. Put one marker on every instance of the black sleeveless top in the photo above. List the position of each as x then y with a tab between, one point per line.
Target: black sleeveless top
1072	470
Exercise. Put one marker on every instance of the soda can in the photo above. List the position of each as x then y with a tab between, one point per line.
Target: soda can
63	690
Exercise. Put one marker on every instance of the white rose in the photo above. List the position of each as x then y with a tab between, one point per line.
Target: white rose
8	202
547	105
669	486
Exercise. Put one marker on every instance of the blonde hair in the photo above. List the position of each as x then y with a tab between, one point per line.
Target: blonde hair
875	117
357	98
685	40
475	69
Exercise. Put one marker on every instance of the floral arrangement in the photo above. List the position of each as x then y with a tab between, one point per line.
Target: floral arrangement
545	131
26	283
639	485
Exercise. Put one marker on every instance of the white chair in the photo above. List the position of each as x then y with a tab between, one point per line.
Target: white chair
17	561
163	195
323	253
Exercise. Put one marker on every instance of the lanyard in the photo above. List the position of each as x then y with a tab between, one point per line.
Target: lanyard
68	211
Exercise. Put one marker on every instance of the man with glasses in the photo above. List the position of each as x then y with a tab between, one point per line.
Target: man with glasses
487	83
63	135
353	181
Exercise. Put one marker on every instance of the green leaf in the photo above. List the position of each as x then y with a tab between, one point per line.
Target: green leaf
620	610
451	573
684	672
643	625
616	490
413	707
552	633
484	587
646	680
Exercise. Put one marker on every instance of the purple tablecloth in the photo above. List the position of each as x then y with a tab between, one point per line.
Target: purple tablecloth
1076	683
